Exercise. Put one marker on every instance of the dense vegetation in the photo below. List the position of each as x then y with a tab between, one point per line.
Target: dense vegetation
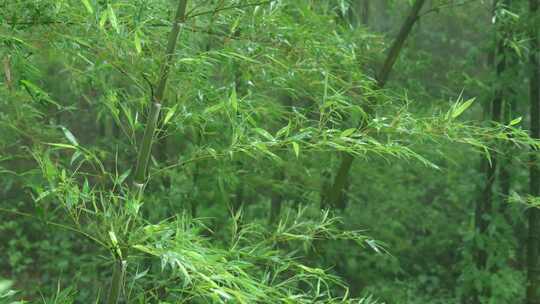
279	151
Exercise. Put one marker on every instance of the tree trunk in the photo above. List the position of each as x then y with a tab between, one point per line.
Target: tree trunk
365	12
484	208
533	248
335	191
145	149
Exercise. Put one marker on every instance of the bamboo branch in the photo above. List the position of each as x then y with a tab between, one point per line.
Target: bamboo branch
231	7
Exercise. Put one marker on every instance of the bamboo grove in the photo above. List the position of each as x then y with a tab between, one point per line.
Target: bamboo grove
278	151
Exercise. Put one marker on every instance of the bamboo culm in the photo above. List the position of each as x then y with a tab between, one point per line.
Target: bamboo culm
145	149
340	180
533	243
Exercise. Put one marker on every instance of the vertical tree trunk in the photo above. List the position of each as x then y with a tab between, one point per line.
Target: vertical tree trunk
139	177
533	248
168	61
484	208
506	161
365	12
335	191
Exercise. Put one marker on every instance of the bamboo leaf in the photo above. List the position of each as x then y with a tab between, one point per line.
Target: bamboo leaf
265	134
234	100
112	18
462	107
348	132
515	121
170	114
60	145
75	156
113	238
137	42
123	177
103	19
114	242
88	6
296	149
70	137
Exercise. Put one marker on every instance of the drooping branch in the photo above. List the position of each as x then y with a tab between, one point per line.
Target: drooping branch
219	9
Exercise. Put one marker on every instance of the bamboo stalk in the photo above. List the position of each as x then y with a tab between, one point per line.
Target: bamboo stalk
151	126
116	282
346	162
533	243
146	146
145	149
484	206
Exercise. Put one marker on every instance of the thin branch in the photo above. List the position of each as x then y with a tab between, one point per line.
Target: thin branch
216	10
449	4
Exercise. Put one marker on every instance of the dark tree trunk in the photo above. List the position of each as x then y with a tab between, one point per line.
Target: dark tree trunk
533	248
365	12
484	208
335	191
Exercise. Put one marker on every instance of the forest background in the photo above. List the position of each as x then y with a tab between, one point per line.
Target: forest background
279	151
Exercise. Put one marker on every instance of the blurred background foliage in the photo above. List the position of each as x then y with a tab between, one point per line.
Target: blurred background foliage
264	102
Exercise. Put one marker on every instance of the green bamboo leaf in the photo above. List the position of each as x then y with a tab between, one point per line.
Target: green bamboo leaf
88	6
103	19
42	195
114	242
187	279
38	94
234	100
225	296
112	18
265	134
123	177
145	249
75	156
113	238
515	121
214	108
70	136
170	114
348	132
284	131
60	145
137	42
462	107
296	149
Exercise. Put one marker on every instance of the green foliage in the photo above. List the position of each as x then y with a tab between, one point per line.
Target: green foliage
261	100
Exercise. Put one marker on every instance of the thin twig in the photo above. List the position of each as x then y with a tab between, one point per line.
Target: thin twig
449	4
216	10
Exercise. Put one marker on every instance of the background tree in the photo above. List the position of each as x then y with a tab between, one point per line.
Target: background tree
261	104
